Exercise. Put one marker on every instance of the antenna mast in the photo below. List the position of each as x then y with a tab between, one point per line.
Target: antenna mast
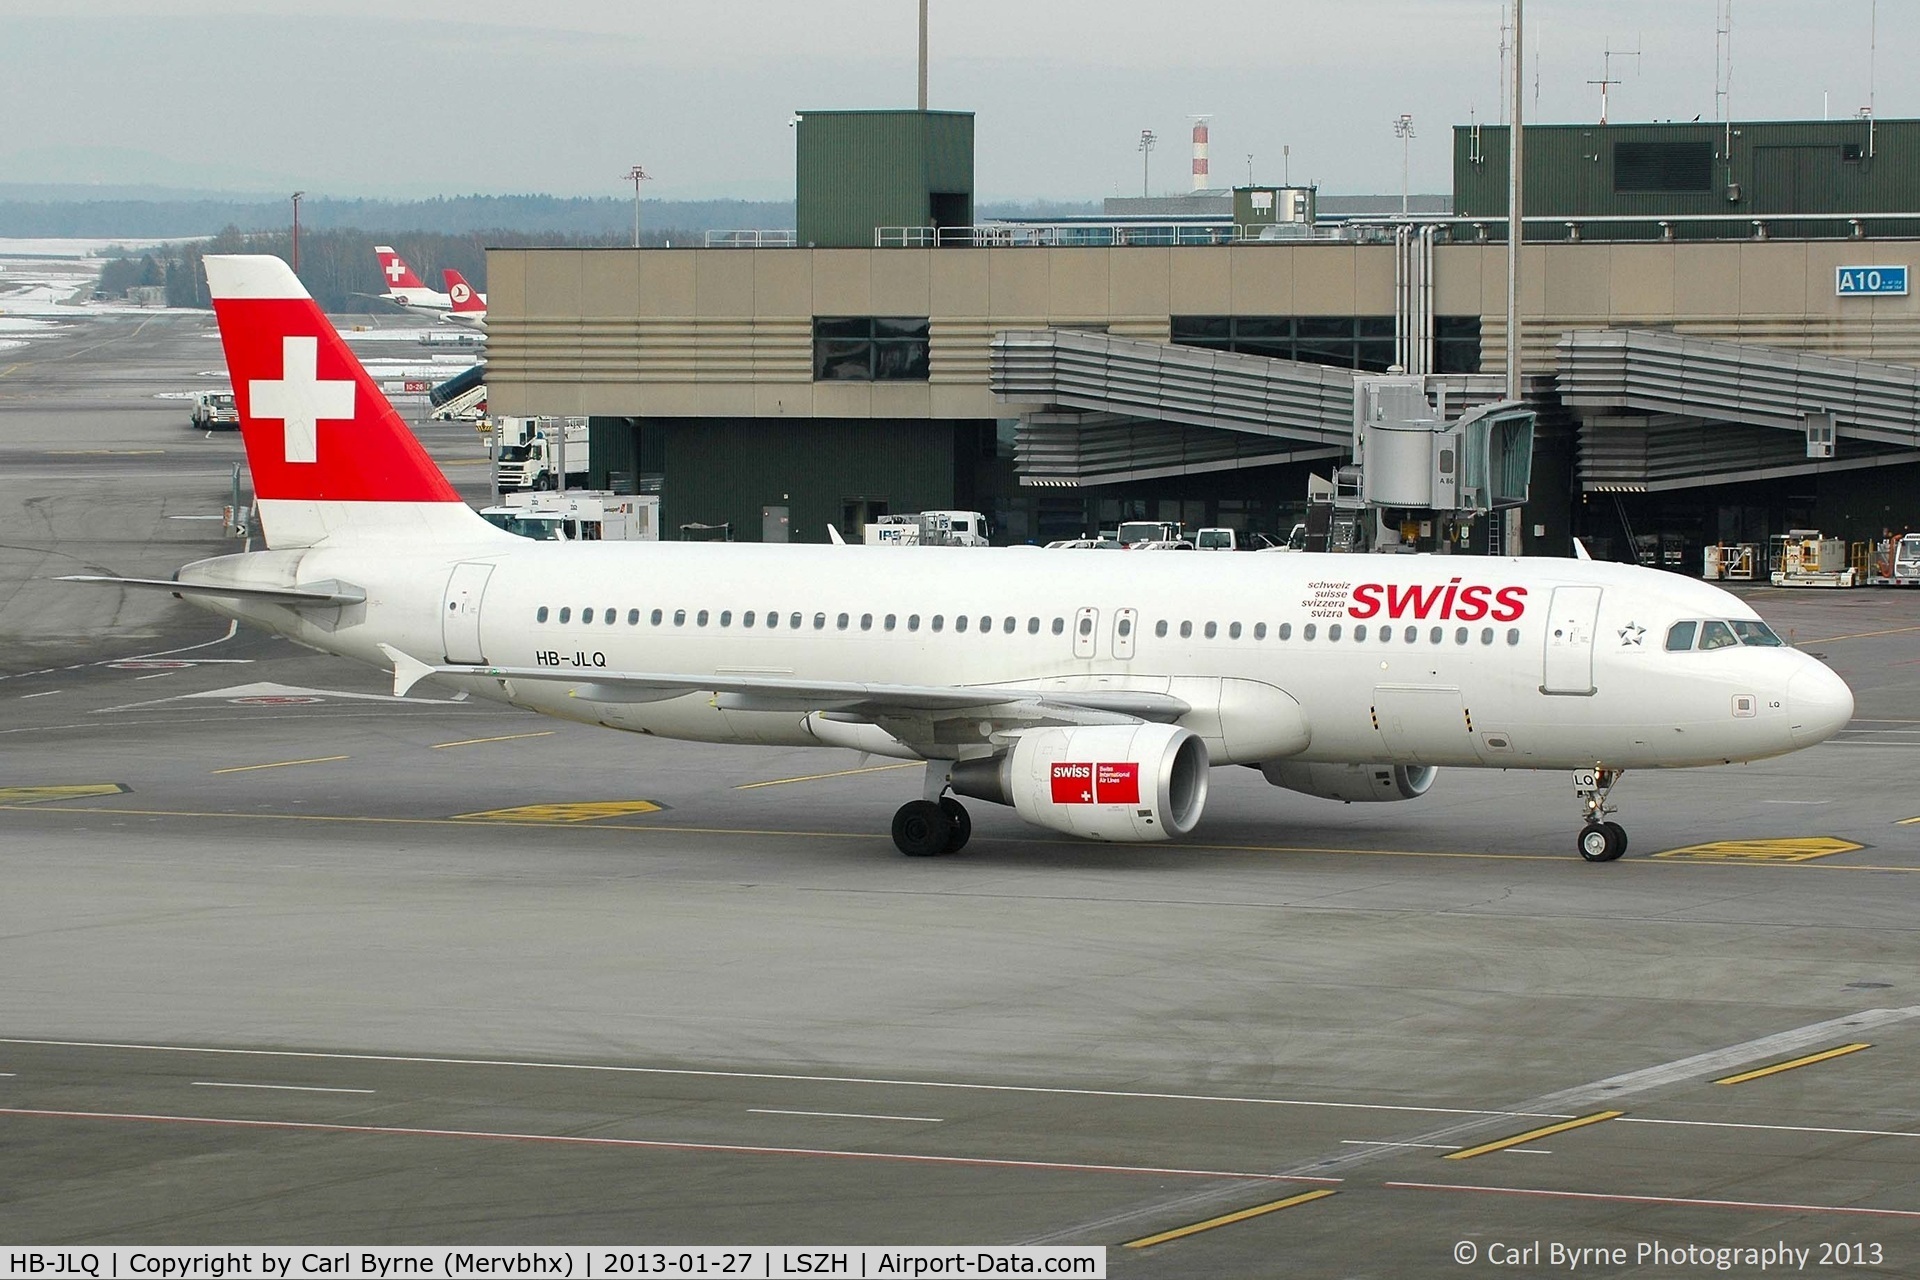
1606	72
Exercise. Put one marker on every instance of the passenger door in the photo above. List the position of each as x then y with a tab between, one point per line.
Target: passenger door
460	620
1567	664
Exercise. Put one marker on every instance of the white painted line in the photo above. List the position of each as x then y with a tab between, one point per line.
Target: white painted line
843	1115
48	693
1796	802
158	675
1040	1090
1773	1128
1721	1061
1767	1205
289	1088
581	1140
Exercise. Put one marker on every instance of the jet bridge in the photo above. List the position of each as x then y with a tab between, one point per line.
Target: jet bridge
1662	411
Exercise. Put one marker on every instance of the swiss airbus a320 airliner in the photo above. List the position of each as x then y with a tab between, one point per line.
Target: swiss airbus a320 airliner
1092	693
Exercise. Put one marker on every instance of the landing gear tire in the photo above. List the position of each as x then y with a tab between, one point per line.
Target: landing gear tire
922	829
1602	841
961	824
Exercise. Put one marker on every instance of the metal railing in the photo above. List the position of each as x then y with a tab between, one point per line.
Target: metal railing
752	238
1382	229
1095	235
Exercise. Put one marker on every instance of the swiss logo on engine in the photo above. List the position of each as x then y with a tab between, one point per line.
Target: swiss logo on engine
1072	783
1117	783
1075	783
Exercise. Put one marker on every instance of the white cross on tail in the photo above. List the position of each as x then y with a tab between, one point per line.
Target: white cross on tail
395	269
300	400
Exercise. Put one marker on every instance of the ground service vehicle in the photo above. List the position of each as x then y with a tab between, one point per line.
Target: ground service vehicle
928	529
526	453
215	410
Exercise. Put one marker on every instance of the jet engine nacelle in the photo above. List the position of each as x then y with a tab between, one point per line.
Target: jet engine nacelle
1351	782
1106	782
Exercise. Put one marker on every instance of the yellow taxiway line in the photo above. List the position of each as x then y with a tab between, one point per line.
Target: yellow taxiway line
474	742
1228	1219
1792	1063
277	764
821	777
1545	1131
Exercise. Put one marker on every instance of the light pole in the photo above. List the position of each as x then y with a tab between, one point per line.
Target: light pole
296	231
636	176
1147	139
1403	130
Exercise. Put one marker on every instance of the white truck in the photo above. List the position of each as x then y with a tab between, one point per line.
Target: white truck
928	529
215	409
524	453
1132	533
578	516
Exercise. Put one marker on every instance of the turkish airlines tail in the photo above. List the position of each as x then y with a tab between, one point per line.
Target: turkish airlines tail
466	299
331	459
395	270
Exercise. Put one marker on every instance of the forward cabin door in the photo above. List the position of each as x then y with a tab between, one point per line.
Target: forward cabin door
1567	665
460	619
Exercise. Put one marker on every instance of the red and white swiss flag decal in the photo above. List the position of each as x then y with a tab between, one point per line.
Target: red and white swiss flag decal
315	426
1072	783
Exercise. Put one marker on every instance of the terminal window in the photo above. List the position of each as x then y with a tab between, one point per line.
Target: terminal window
1662	166
1365	343
870	348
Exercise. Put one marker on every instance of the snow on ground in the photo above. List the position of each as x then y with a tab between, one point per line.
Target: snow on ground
65	248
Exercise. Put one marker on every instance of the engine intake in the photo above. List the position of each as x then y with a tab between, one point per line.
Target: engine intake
1351	782
1105	782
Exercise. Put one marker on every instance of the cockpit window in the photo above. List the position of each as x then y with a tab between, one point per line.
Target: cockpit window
1680	636
1715	634
1758	633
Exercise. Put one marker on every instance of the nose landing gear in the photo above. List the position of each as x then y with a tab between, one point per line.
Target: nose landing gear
1600	840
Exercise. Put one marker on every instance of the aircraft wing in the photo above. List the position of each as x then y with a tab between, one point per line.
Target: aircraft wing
846	699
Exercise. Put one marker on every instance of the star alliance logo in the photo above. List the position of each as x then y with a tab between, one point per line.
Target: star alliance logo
1631	633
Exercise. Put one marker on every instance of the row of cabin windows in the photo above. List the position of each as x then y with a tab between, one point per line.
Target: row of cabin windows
796	621
1384	632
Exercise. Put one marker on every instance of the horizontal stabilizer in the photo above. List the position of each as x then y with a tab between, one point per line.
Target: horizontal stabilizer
408	670
313	595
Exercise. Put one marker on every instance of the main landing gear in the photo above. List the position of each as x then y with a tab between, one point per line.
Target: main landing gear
1600	840
935	825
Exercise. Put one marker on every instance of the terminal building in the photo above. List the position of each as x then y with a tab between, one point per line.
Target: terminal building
1716	333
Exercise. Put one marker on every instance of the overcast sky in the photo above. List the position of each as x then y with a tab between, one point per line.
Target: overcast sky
352	97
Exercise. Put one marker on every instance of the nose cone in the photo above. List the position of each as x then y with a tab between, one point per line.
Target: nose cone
1819	704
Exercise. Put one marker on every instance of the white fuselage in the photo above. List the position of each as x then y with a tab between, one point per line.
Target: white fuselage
1550	664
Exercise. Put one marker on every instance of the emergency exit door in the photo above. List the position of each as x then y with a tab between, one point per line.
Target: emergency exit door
1567	666
460	618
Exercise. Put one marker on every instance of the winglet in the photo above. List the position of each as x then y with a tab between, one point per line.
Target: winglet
407	670
1580	550
833	536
